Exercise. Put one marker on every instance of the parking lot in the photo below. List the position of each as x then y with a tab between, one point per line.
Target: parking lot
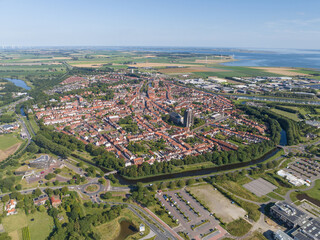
194	220
260	187
305	169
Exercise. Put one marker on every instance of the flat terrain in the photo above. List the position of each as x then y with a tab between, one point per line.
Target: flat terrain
191	70
11	150
237	189
152	64
259	187
39	228
282	71
7	141
85	65
214	61
292	116
105	229
8	145
193	218
217	203
314	192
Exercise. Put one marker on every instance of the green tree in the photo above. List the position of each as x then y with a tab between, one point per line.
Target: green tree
5	198
102	181
37	192
190	181
181	183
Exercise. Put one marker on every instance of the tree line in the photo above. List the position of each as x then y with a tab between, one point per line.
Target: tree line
243	154
291	127
79	225
61	144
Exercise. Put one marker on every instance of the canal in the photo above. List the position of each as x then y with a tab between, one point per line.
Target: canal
198	172
206	171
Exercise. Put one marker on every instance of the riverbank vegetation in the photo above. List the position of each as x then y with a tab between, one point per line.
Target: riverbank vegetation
291	127
243	154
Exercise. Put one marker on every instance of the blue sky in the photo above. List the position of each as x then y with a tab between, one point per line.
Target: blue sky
203	23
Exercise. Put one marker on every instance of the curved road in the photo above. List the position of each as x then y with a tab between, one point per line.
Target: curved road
162	232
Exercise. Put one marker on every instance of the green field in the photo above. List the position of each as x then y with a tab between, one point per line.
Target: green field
164	216
34	124
238	227
315	74
234	72
275	196
238	190
39	228
292	116
8	140
315	191
105	229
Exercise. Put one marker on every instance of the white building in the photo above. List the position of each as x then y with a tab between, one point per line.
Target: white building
292	179
142	228
11	207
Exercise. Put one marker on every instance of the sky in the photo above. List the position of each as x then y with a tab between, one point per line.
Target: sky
179	23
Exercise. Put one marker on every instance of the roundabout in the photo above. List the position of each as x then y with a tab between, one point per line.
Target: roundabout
92	188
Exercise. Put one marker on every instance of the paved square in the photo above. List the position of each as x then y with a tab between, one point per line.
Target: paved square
194	220
260	187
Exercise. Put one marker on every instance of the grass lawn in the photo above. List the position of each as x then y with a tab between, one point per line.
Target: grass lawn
25	185
194	166
282	190
93	211
293	196
238	227
256	236
8	140
40	228
92	188
240	191
302	110
105	230
33	124
110	230
315	191
275	196
164	217
67	172
292	116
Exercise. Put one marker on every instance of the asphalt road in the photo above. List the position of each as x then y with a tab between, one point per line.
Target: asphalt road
25	129
161	231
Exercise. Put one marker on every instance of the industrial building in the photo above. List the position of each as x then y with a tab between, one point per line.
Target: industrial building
308	231
280	235
289	215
